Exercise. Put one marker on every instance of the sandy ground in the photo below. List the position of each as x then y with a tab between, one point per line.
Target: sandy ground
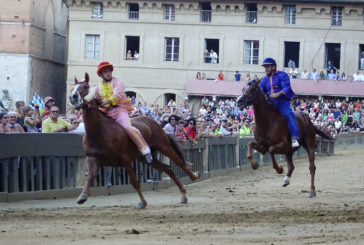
247	207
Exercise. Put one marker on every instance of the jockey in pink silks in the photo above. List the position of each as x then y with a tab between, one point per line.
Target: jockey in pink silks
112	92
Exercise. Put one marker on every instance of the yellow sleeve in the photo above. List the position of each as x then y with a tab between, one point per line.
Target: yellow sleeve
45	127
113	100
65	123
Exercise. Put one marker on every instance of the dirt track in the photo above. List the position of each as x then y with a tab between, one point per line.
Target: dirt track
247	207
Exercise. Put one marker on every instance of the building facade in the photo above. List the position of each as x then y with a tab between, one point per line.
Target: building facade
167	40
33	50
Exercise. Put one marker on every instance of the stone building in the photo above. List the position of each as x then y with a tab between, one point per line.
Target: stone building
170	38
33	49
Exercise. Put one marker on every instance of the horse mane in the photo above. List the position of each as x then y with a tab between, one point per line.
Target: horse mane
91	95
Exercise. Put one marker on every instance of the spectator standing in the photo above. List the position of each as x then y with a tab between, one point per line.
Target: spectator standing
361	77
205	101
136	55
129	55
181	133
198	76
54	123
305	74
330	67
362	60
291	64
203	76
244	129
224	129
4	121
322	75
171	126
220	76
213	56
13	125
314	74
191	131
293	72
331	75
247	77
46	111
19	110
206	56
31	119
237	76
338	76
343	76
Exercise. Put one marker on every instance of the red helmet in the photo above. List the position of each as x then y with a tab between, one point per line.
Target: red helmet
103	65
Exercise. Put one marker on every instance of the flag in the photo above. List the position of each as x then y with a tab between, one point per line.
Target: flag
37	100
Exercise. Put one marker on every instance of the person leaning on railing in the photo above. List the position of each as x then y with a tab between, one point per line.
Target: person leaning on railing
55	124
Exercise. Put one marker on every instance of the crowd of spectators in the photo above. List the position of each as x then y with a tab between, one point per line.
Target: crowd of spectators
332	73
220	77
213	119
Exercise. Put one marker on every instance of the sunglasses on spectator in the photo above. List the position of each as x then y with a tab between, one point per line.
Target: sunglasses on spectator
55	111
191	123
173	119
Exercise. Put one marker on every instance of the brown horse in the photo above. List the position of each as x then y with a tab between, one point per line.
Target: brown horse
272	135
107	143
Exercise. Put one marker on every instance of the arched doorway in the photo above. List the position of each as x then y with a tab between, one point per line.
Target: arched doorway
168	97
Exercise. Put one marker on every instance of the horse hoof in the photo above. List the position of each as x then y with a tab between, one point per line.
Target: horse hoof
280	171
183	200
286	181
255	166
312	194
81	199
141	205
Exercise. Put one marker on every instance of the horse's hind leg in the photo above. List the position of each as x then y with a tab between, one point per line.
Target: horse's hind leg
134	181
167	169
91	165
311	157
278	169
290	167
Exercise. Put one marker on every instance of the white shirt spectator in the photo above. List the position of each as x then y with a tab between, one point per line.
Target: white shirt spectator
304	74
314	75
356	76
213	57
361	77
338	124
338	104
293	73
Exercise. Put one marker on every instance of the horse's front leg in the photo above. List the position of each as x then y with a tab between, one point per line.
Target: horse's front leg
91	165
253	145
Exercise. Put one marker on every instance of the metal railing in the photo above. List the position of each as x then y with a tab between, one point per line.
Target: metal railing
134	15
55	161
205	15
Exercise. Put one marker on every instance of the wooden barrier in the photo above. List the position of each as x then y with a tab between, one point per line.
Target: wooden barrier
43	162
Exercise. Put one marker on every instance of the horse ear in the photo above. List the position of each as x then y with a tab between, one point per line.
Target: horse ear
87	77
76	81
257	81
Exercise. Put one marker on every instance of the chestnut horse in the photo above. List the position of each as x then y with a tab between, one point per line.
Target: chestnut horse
271	133
107	143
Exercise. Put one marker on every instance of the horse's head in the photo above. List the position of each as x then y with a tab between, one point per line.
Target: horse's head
250	92
79	92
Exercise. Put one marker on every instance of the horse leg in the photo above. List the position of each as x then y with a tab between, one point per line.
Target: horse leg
167	169
290	167
311	157
278	169
134	181
91	165
249	154
167	150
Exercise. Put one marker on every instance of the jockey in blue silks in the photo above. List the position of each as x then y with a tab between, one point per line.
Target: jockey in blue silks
277	87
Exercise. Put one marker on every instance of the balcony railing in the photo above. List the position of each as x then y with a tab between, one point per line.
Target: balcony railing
251	17
134	15
205	15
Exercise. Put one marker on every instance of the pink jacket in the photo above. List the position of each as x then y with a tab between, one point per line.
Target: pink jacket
119	97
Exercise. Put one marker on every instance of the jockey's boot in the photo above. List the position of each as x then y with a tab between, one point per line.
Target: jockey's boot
295	143
148	158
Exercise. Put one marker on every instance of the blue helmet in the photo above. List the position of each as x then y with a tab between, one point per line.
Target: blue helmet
269	61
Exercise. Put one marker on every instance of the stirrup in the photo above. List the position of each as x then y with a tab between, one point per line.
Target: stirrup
148	158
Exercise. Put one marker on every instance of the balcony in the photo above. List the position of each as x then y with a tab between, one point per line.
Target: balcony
133	15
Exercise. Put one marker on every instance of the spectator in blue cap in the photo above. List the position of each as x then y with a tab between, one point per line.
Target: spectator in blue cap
277	87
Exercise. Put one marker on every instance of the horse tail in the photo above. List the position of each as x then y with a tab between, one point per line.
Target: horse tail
176	148
323	134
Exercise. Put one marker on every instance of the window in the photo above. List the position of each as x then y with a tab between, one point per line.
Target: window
132	47
171	49
205	12
169	12
361	57
336	16
251	52
291	14
292	52
251	13
97	10
133	11
92	50
332	53
168	97
211	54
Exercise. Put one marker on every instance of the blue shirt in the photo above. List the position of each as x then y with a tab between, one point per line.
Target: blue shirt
331	76
281	82
237	77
